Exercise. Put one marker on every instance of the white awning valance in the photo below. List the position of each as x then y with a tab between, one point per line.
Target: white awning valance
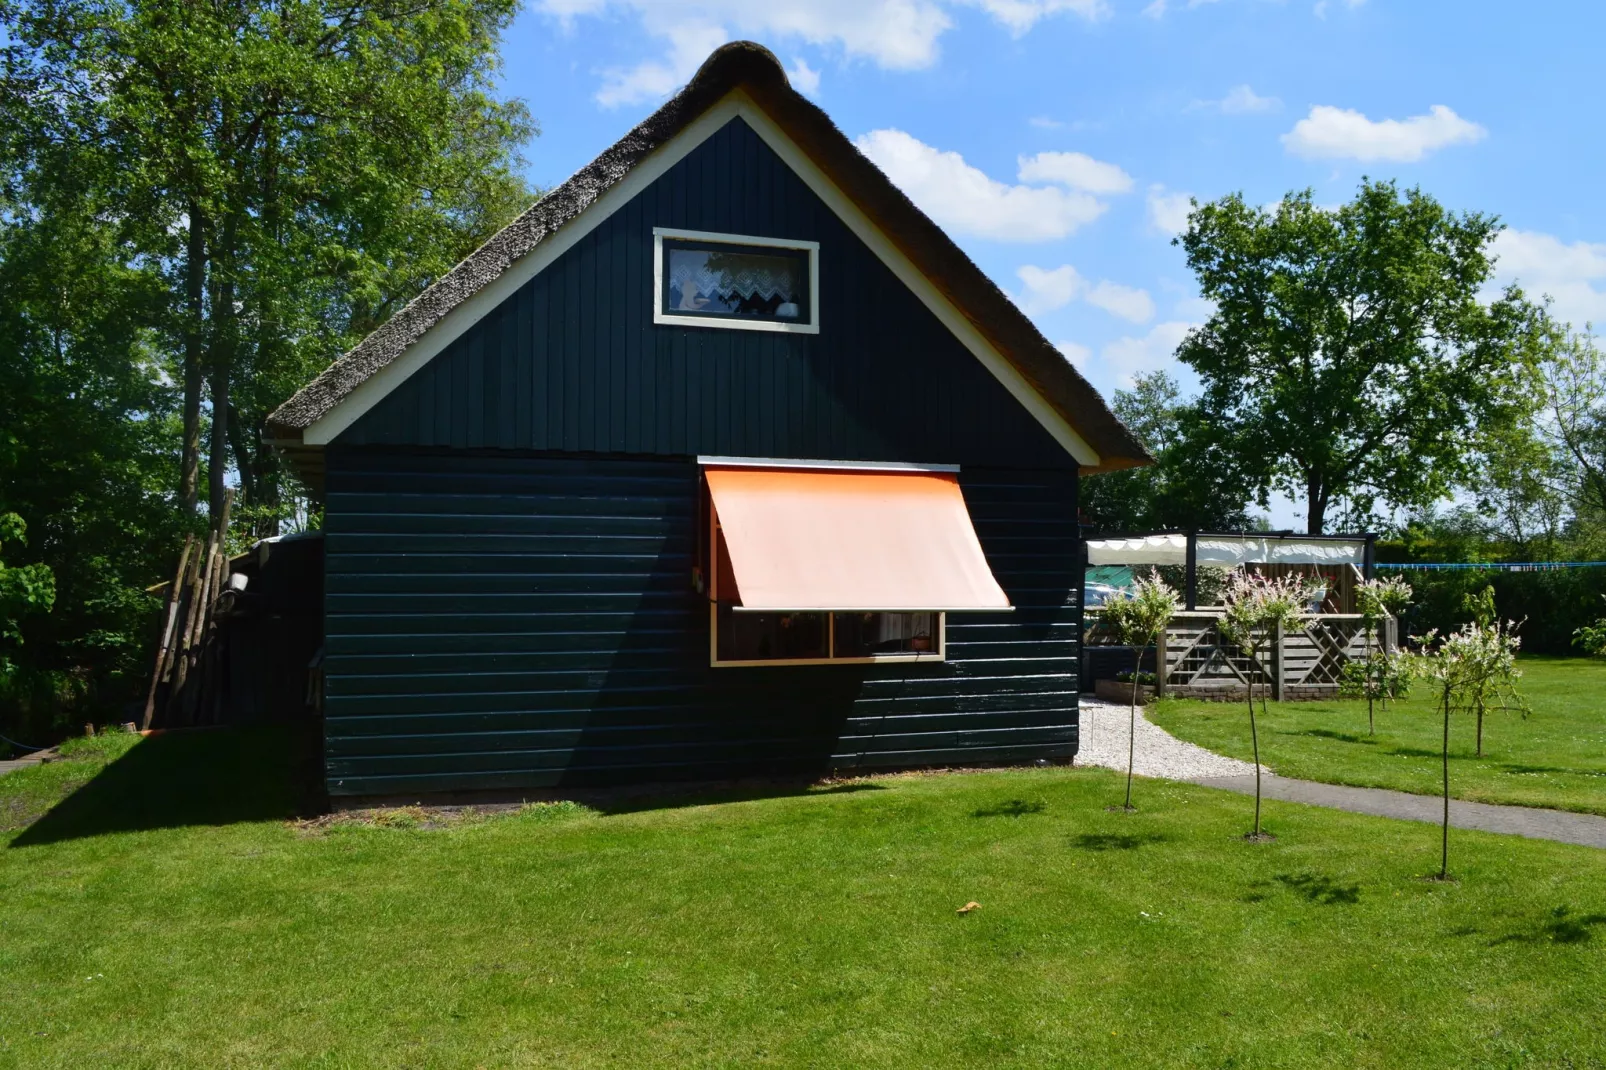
1226	550
1140	550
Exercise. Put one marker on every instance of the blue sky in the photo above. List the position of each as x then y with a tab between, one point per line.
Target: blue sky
1058	140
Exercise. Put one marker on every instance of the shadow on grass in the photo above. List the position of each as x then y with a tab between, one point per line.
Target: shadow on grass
1520	769
1342	737
1111	841
1012	808
181	779
630	799
1562	926
1320	888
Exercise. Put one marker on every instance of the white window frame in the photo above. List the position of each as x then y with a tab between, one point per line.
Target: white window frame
712	580
734	323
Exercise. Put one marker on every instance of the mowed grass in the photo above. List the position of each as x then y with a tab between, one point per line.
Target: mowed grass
1555	758
163	916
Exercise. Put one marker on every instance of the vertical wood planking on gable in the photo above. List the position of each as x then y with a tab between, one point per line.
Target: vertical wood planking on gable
504	620
884	380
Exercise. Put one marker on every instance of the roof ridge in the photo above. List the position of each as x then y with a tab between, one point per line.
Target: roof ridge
750	66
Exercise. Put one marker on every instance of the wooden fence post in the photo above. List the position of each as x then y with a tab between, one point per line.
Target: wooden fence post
1277	662
1159	664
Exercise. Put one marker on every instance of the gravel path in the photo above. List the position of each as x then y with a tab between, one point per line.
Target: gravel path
1158	752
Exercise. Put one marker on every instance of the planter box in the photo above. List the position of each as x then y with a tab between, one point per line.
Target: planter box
1116	691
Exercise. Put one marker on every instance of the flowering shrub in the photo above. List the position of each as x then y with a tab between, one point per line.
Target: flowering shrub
1591	638
1473	670
1137	615
1255	605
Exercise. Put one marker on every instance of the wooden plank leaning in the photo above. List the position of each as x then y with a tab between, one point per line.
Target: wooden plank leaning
184	657
169	622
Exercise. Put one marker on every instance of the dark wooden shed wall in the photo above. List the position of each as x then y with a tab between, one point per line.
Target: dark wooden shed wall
507	620
573	361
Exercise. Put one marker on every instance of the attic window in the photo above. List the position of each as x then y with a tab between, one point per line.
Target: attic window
735	281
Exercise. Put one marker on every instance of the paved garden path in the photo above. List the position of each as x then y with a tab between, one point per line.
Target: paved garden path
1160	754
13	764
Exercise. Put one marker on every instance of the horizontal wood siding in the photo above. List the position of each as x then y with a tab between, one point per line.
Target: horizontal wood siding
572	361
499	620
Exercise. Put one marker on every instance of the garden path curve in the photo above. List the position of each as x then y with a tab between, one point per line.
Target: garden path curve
1160	754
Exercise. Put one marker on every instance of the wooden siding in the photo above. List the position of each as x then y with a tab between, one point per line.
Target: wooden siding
573	362
498	621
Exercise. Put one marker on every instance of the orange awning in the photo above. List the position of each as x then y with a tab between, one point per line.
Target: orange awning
810	539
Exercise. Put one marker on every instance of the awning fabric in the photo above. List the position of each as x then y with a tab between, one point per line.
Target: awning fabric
1226	550
804	539
1139	550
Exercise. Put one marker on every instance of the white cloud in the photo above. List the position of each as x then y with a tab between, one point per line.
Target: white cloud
965	200
1126	358
1545	265
1168	209
804	79
1330	133
688	47
1242	100
1197	309
893	34
1075	352
1128	302
1048	289
1320	10
1043	122
1158	8
1075	170
1021	15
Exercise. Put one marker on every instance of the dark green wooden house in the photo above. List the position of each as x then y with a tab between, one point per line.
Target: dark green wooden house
720	460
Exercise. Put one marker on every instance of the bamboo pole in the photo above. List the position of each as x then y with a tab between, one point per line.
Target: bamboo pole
198	643
184	657
170	619
205	698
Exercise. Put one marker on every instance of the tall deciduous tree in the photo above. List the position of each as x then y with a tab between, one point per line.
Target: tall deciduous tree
1351	353
296	168
201	205
1193	483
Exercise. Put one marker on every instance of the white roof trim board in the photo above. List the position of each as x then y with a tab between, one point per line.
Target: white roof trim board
1226	550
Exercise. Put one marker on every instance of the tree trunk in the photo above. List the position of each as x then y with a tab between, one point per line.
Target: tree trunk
1444	850
194	311
1132	725
222	368
1254	741
1316	506
245	458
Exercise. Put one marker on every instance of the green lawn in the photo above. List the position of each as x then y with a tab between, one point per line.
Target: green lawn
1556	758
170	913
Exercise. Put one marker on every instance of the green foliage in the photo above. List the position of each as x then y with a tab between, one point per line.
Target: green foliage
1591	638
24	591
788	928
1383	597
1557	760
1480	606
1210	581
1137	614
201	206
1552	605
1473	670
1191	484
1379	675
1351	355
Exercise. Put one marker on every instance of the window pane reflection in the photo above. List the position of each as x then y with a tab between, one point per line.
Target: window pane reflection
772	636
863	635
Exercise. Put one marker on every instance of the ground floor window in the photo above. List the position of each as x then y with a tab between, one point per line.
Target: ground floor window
761	638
